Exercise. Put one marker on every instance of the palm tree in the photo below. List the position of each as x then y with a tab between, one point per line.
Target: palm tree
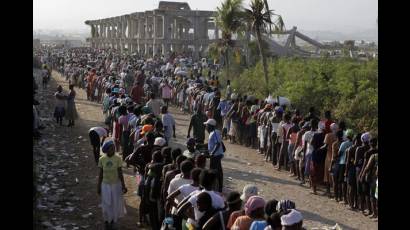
229	20
260	17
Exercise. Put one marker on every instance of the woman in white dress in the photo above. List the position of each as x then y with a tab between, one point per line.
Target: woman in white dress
111	185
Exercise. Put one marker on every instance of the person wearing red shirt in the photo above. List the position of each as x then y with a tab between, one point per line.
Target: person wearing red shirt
328	121
137	93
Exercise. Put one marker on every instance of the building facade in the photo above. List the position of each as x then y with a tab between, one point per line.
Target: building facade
173	27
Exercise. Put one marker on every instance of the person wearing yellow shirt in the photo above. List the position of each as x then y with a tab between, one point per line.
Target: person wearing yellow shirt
111	185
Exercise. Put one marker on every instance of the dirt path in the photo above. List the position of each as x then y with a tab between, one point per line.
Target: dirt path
241	166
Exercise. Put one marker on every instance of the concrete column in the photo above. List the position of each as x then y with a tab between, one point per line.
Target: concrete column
154	35
118	24
196	37
129	27
124	27
146	27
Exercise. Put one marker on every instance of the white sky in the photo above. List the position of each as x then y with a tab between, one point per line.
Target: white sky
332	15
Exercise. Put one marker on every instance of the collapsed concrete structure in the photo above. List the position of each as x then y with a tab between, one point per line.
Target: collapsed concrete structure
173	27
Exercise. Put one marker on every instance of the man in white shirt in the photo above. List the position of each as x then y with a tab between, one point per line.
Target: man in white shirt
169	124
206	179
186	168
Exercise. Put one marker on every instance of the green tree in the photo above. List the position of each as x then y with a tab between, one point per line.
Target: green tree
260	17
229	19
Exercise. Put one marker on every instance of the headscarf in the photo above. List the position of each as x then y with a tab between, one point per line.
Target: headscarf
106	146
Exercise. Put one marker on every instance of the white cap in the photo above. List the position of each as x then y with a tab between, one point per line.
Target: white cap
210	122
159	141
248	191
293	217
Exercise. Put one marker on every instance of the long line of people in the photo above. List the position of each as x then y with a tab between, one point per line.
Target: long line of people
175	187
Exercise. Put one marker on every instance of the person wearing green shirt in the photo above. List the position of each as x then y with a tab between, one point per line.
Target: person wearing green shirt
111	185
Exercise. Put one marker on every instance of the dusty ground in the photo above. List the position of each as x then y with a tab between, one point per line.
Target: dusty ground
68	175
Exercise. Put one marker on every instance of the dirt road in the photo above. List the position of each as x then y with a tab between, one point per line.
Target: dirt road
68	175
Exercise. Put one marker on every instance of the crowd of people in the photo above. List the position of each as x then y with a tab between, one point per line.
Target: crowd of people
175	186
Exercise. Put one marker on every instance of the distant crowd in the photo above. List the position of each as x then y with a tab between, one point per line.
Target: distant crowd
175	186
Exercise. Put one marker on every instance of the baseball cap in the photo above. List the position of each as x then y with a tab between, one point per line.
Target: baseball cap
253	203
210	122
248	191
159	141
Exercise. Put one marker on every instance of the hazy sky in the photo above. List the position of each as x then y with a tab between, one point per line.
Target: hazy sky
334	15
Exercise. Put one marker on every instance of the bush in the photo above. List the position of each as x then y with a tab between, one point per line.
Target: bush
347	87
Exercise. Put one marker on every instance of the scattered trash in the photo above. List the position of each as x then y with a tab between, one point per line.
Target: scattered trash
76	180
61	190
47	224
59	228
41	207
80	137
86	215
249	164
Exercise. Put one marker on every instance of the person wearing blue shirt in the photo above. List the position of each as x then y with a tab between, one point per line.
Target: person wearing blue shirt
215	149
342	164
224	107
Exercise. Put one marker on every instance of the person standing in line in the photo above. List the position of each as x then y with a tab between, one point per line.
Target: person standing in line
291	136
308	148
45	76
71	113
318	157
111	185
169	124
166	90
359	164
137	93
185	179
215	149
254	211
365	177
197	123
59	111
334	163
328	121
228	90
154	105
329	139
283	154
220	219
299	146
370	175
350	172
